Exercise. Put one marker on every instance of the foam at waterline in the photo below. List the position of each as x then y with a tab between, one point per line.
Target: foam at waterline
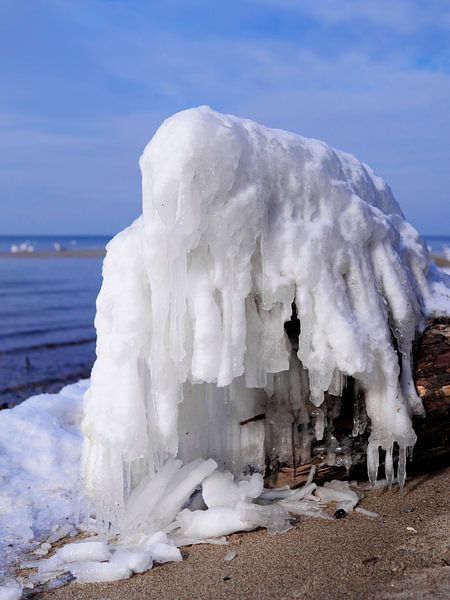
240	221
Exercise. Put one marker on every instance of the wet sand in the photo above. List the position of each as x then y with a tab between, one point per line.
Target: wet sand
356	557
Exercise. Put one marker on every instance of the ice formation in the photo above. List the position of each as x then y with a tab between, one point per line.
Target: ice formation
40	504
245	229
40	450
11	592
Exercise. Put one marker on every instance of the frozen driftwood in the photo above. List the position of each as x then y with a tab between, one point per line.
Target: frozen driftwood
240	223
432	378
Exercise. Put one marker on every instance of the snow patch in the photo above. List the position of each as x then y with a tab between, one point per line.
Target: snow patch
40	449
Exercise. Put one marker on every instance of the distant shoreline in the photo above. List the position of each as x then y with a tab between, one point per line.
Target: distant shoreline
88	253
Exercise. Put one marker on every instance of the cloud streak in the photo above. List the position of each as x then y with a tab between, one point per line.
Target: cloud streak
401	16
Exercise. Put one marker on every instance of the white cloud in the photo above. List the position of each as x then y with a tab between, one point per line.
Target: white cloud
402	16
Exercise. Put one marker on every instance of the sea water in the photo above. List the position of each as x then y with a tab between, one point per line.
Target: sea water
47	309
437	244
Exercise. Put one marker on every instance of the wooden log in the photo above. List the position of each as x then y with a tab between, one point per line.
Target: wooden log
294	477
432	378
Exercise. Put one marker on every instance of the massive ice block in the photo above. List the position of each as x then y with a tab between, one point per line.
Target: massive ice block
241	226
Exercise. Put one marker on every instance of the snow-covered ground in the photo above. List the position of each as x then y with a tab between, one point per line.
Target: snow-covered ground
42	501
40	448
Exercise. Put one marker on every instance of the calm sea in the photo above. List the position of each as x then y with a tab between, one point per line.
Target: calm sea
47	309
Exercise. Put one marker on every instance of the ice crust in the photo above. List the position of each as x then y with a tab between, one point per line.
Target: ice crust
229	506
239	222
87	551
41	506
40	449
244	506
10	592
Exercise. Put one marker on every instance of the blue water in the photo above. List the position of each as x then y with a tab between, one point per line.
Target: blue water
437	243
47	309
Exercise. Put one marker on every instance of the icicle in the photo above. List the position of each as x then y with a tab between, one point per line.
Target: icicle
311	474
389	466
359	410
347	462
306	438
337	383
319	423
373	459
401	467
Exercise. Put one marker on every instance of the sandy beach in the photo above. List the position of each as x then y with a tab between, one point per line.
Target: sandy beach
402	554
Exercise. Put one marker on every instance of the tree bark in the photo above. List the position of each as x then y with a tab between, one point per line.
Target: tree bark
432	377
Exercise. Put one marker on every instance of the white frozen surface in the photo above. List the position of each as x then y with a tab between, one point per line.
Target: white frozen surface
161	547
220	489
84	551
10	592
239	221
211	523
366	513
96	572
40	447
41	478
228	504
137	562
339	492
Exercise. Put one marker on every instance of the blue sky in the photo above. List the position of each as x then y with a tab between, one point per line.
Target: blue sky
85	83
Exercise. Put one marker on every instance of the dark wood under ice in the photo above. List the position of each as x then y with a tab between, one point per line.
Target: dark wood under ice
432	378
